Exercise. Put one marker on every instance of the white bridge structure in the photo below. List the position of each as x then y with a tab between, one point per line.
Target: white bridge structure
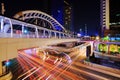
32	24
28	29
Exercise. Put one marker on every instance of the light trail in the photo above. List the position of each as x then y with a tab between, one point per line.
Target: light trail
23	64
27	72
39	77
48	72
49	67
31	74
34	59
69	64
89	74
55	60
71	75
52	69
98	70
61	69
48	77
29	61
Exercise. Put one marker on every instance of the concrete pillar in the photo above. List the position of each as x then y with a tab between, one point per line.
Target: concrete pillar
0	67
55	34
22	29
44	33
49	34
36	32
1	25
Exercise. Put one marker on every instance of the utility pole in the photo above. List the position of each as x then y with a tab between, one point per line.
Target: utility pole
3	8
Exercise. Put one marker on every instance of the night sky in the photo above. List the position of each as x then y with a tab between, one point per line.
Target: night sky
87	12
84	12
114	11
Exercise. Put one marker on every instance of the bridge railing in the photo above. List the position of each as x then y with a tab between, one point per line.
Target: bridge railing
17	29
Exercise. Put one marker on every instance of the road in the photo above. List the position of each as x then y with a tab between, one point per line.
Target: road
30	65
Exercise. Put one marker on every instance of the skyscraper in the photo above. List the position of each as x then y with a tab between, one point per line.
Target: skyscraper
114	14
104	15
61	10
110	17
68	21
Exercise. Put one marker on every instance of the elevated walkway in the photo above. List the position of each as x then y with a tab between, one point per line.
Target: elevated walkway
17	34
10	46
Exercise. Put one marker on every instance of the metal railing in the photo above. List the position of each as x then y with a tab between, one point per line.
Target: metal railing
11	28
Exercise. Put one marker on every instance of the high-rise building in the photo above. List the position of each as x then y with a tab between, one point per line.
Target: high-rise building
114	14
110	17
68	21
104	15
61	10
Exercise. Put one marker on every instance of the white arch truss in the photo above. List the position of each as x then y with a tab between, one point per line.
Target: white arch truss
23	15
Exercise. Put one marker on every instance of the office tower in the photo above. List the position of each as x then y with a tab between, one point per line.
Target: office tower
104	15
68	21
110	18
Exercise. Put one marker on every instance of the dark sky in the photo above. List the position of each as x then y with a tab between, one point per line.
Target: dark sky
84	12
114	10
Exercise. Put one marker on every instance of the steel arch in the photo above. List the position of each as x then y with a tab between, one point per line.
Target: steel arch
28	14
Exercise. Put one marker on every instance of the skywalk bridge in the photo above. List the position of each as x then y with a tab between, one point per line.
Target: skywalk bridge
29	29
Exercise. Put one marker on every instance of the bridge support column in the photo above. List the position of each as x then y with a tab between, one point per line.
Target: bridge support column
22	29
36	31
49	34
55	34
2	25
0	68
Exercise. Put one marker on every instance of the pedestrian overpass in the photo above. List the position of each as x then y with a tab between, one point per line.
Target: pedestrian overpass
29	29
